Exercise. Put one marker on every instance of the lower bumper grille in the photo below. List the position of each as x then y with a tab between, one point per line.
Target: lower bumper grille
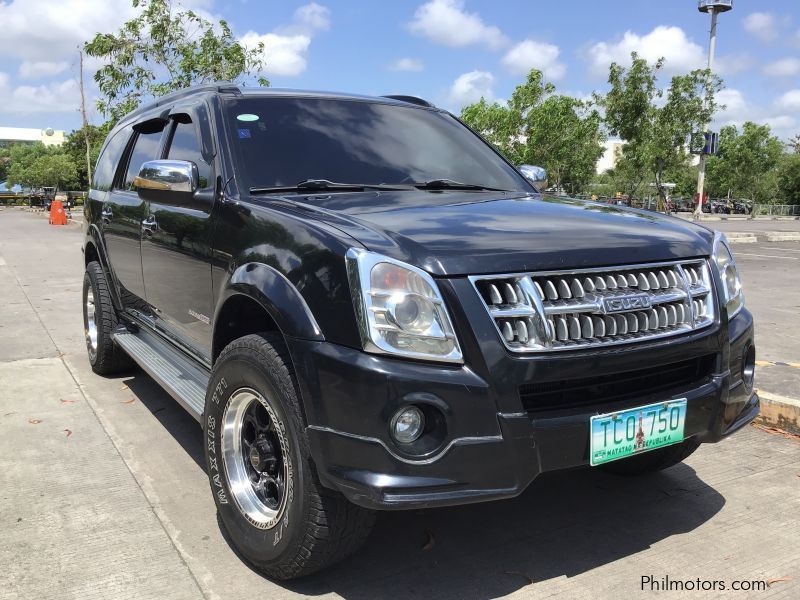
617	387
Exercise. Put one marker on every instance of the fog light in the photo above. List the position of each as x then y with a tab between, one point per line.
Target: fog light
407	425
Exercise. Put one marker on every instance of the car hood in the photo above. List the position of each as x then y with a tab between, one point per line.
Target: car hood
458	233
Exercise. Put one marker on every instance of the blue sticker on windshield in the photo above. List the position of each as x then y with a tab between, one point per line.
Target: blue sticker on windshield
244	134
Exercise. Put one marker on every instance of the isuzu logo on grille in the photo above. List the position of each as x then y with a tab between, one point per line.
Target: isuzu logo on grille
623	303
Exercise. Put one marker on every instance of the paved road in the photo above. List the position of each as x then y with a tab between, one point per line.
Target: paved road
104	495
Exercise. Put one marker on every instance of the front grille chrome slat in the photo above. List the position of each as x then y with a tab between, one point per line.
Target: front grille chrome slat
571	310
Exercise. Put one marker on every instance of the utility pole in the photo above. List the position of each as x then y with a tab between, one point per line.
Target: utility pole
85	123
714	7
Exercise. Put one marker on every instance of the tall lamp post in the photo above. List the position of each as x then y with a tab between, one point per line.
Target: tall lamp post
713	7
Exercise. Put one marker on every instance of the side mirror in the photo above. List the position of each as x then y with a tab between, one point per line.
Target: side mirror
537	176
171	182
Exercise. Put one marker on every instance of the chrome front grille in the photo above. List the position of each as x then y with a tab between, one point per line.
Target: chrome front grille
597	307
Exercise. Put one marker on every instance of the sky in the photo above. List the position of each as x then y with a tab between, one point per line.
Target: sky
450	52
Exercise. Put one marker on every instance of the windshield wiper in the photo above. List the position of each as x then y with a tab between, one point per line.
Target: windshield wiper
312	185
449	184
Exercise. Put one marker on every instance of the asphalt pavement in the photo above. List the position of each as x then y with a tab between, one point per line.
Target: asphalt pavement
104	494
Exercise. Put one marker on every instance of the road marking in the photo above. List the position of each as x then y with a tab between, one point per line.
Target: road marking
768	256
784	249
777	363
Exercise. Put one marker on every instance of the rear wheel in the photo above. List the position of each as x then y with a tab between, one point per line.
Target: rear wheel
269	498
99	322
654	460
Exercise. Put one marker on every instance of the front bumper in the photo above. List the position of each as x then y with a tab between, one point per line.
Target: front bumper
493	448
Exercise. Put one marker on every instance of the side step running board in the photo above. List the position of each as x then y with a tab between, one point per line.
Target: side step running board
174	371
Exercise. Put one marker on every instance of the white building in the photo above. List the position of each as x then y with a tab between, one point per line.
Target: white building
611	154
48	136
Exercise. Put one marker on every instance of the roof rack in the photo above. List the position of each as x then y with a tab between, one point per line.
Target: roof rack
410	100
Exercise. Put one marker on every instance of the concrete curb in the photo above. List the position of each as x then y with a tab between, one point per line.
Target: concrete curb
779	412
782	236
735	237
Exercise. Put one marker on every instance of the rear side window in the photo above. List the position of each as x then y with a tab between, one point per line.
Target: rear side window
145	148
185	145
108	161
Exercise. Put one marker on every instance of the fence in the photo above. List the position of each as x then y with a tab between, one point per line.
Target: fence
777	210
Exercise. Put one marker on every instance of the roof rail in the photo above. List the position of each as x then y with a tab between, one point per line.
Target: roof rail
410	100
223	87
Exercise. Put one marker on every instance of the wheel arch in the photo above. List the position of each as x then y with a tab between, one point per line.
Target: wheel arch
256	298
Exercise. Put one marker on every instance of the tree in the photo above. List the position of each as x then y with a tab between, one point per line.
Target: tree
655	124
5	161
75	147
35	165
746	163
165	49
789	178
794	144
538	126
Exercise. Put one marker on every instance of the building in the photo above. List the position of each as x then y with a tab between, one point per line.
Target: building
612	152
48	136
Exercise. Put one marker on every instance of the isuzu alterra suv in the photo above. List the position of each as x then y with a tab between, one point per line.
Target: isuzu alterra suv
366	307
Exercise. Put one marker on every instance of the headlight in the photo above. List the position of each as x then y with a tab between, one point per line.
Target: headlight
399	309
729	274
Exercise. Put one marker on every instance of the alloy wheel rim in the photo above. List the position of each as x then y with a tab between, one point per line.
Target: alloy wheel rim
90	317
255	457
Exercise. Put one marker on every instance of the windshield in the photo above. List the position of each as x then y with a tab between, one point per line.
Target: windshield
279	142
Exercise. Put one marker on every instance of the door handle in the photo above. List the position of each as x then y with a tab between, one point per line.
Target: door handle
106	214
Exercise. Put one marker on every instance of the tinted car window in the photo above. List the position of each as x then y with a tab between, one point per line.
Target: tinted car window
186	146
109	159
145	148
281	141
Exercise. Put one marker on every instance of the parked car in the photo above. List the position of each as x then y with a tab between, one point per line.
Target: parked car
367	307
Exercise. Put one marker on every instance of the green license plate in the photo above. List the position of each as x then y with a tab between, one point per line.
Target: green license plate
617	435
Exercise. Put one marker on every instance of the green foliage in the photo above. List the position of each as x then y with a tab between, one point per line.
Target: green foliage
75	147
788	177
655	124
5	162
36	165
746	163
560	133
165	49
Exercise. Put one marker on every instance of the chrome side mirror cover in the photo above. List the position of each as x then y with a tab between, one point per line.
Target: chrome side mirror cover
537	176
167	181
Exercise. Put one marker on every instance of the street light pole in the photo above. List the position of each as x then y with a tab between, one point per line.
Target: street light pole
714	7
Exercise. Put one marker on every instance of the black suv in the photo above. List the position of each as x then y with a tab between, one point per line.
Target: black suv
368	308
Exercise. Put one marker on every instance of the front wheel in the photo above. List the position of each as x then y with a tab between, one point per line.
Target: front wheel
269	498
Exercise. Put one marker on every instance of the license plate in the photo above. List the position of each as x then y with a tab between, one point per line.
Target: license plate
618	435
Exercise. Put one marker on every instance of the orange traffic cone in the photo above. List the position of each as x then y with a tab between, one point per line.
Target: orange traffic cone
57	214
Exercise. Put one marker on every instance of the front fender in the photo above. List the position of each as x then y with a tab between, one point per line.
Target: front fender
276	294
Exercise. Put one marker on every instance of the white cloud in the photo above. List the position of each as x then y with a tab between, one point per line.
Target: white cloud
286	48
445	22
786	67
789	101
736	107
530	54
61	96
313	17
51	30
471	87
37	70
407	64
672	43
762	25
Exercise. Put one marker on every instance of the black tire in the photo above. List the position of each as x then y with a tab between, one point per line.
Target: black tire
316	526
653	461
105	357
